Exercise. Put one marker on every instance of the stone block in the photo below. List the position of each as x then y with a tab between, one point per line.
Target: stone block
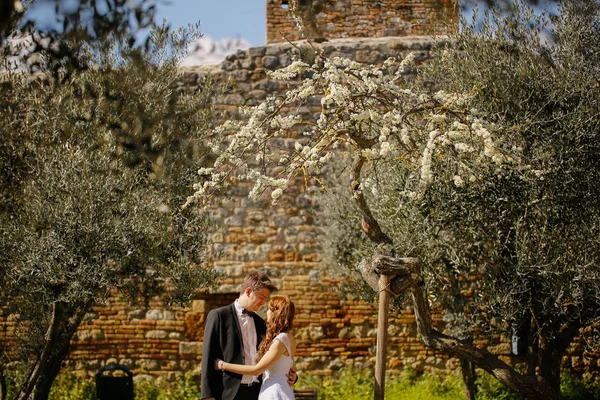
258	95
147	365
199	306
154	315
366	56
240	75
257	51
193	326
136	314
272	50
190	348
285	60
90	334
257	238
156	334
234	221
276	256
168	315
127	362
270	62
235	238
248	64
227	66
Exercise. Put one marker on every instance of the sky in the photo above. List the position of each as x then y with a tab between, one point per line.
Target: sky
218	18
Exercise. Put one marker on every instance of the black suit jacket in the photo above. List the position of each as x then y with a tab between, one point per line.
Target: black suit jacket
223	340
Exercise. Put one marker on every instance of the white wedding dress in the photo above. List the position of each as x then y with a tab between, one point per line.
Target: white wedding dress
275	382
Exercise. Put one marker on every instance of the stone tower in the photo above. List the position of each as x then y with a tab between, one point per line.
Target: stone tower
329	19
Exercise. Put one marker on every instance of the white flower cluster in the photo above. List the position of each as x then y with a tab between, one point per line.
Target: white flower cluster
292	71
439	135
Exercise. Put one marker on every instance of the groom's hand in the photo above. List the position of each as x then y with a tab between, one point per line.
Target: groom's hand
292	377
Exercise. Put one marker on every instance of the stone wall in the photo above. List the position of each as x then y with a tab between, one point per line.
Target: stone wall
283	241
360	18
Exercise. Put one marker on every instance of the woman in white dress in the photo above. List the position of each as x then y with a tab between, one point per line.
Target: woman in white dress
275	353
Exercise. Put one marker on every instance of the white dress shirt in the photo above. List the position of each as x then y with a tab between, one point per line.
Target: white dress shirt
249	340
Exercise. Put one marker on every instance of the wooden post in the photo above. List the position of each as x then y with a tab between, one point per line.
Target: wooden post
382	326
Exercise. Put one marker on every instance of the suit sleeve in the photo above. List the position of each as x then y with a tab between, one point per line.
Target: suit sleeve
212	379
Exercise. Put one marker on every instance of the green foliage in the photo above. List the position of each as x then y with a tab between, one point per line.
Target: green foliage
574	388
521	239
427	386
185	387
69	386
346	384
355	384
96	164
488	388
533	227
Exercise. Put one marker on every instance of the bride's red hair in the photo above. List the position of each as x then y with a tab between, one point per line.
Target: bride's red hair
282	320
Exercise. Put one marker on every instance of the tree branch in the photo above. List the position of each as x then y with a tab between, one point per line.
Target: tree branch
2	384
368	224
408	277
51	337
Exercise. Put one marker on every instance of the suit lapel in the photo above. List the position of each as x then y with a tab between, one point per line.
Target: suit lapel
258	338
236	324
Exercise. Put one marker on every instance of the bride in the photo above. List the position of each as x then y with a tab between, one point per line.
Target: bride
275	354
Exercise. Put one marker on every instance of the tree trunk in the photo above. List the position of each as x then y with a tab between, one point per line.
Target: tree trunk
469	379
457	305
63	325
411	279
550	358
534	388
532	349
3	393
551	351
6	17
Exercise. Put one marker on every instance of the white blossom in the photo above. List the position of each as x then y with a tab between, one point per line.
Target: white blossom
446	138
458	181
276	193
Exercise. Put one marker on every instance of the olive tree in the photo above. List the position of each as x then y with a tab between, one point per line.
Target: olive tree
523	69
490	175
538	75
95	166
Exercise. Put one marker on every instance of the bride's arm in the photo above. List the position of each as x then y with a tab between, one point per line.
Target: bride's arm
271	356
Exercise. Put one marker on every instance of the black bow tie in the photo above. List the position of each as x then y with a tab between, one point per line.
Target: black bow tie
250	313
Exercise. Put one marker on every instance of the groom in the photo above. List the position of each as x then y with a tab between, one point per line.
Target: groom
233	334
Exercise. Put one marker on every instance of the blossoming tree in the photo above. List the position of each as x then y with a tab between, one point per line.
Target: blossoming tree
369	114
485	149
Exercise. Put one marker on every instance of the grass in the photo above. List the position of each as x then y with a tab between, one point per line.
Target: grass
342	385
350	385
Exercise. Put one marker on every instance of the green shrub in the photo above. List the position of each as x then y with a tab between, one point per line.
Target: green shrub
184	388
346	384
358	384
574	388
69	386
425	387
488	388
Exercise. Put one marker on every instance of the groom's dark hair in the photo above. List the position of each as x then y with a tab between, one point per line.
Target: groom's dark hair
256	281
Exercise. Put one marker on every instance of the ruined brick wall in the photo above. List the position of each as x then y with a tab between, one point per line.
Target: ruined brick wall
284	242
360	18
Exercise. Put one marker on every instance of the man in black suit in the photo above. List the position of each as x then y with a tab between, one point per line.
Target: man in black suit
233	334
